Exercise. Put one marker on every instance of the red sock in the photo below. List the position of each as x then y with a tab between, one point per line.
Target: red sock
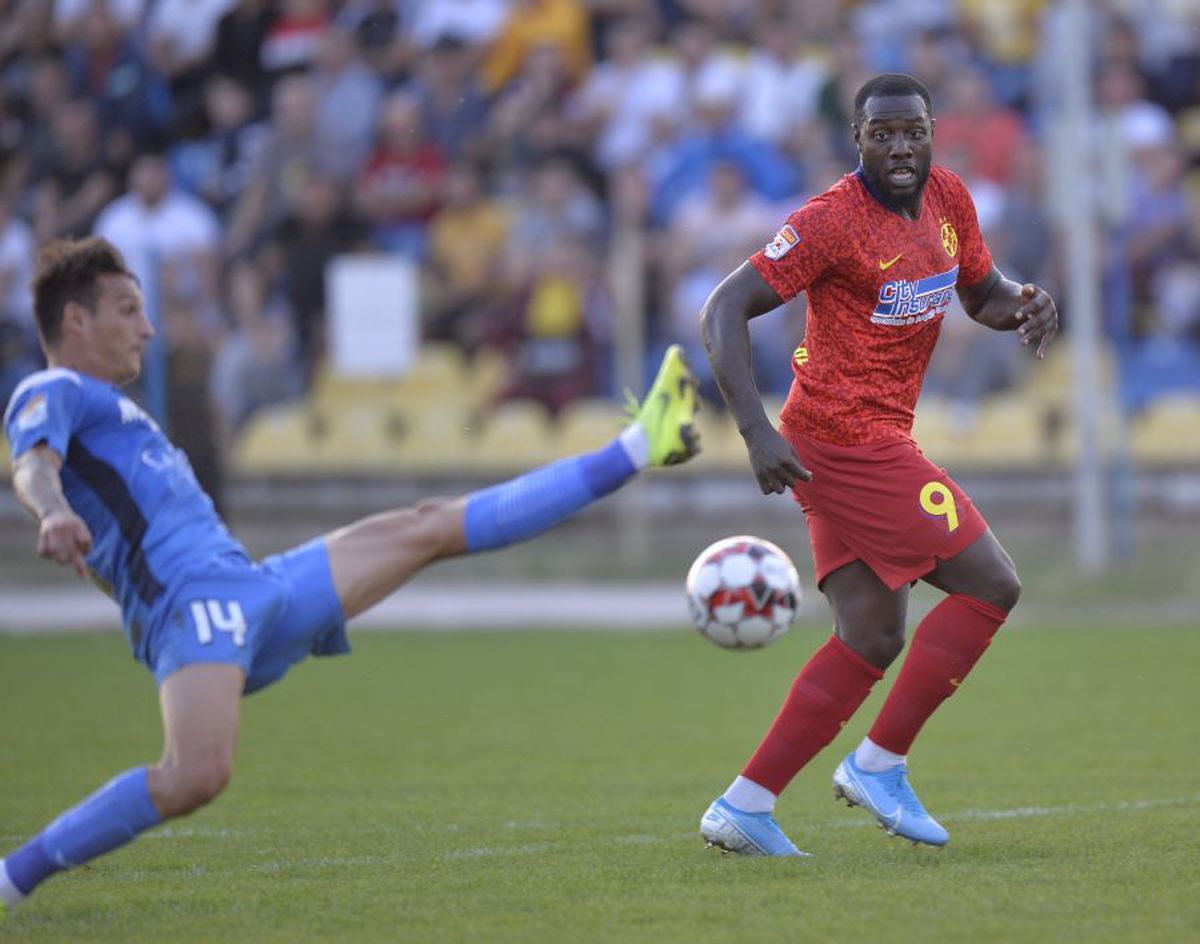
828	690
946	645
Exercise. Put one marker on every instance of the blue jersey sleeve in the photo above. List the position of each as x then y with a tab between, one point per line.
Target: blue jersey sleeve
45	408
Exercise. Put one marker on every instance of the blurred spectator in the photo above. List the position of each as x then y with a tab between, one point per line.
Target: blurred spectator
29	116
847	72
159	227
556	207
75	182
257	364
401	186
704	68
969	364
1157	228
529	117
715	139
779	86
1121	94
885	25
382	44
294	150
554	331
237	51
936	57
70	16
632	100
17	251
1022	234
987	134
293	37
453	110
532	24
107	66
180	35
1006	33
190	325
466	251
218	167
18	338
1175	300
725	220
26	29
711	233
473	22
348	95
317	228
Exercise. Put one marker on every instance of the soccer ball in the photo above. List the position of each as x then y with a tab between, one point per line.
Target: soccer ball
743	592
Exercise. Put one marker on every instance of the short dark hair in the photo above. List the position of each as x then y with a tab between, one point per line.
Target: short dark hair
67	271
889	83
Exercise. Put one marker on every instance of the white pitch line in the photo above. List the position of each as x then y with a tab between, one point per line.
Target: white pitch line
651	839
1072	809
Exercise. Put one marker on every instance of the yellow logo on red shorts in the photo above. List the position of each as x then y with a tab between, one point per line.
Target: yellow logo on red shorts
800	356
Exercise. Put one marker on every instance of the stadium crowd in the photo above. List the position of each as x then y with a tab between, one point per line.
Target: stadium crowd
231	148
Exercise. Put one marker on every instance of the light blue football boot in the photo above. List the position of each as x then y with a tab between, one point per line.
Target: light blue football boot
888	796
732	830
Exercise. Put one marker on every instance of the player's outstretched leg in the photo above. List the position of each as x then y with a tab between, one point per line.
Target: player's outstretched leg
373	557
201	707
662	432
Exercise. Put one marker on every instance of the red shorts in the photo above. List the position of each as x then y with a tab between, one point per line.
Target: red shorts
883	503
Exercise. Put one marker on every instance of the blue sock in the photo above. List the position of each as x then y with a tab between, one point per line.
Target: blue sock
106	820
537	501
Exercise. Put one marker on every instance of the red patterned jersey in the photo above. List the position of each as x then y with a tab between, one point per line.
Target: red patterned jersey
878	286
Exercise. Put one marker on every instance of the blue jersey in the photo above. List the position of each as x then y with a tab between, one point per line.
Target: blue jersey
151	522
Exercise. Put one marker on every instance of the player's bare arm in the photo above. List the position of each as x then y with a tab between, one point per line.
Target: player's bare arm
1004	305
724	325
63	536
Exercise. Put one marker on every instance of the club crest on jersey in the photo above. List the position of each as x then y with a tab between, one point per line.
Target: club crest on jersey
908	302
783	242
949	239
132	413
34	413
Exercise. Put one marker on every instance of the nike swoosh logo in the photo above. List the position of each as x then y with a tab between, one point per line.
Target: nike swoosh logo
884	266
956	682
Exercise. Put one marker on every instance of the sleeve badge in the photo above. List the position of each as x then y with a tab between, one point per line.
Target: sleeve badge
34	413
782	244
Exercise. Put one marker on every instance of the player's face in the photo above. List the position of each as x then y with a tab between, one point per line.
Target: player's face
114	334
895	141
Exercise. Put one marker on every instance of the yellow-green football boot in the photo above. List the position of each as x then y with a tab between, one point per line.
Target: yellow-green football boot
668	413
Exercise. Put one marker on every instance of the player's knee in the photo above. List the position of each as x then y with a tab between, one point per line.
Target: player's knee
192	783
434	521
878	645
1003	589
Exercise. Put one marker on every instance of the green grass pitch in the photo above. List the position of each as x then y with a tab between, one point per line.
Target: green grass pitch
546	787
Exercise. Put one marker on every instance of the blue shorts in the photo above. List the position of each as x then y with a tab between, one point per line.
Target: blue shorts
262	617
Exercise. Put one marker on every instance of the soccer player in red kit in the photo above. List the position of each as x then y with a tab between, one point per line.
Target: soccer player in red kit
879	254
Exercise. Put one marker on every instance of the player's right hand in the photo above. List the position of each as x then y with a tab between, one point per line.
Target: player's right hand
775	463
65	539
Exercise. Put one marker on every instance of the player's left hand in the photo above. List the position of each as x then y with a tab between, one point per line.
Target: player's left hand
1037	317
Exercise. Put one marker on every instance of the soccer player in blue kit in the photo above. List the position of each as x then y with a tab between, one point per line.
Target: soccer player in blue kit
112	496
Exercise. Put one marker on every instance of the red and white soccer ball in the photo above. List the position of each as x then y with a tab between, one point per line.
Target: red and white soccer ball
743	592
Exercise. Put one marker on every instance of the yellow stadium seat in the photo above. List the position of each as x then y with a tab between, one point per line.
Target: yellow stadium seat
1169	431
588	424
352	440
276	440
516	435
721	446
